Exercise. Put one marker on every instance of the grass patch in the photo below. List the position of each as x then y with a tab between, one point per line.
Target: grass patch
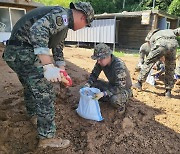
119	53
123	53
136	55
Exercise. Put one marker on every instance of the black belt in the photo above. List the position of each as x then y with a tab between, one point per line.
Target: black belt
18	43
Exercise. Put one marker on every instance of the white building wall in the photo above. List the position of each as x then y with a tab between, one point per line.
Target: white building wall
101	31
8	17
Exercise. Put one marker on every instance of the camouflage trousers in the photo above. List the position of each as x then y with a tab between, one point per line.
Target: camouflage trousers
117	99
170	64
39	95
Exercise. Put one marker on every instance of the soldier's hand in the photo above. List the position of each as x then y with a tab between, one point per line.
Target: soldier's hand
65	78
155	73
85	85
52	73
99	95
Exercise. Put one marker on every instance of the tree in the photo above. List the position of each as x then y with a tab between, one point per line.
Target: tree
174	8
159	4
113	6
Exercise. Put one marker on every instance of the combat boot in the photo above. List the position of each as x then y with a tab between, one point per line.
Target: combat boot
54	142
137	85
168	93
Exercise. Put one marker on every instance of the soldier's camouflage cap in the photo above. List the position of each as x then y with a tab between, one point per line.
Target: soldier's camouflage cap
86	8
101	51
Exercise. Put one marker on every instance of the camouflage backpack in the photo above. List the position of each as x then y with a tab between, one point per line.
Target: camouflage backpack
150	34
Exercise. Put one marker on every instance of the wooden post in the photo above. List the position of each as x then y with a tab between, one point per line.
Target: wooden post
155	21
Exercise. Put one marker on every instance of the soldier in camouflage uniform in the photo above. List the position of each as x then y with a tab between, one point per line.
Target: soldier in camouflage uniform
118	90
28	53
162	43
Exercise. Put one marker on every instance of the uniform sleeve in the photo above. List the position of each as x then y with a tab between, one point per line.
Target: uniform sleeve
141	54
120	83
58	52
94	74
43	28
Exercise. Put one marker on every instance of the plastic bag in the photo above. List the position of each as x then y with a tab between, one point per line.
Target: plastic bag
88	107
150	79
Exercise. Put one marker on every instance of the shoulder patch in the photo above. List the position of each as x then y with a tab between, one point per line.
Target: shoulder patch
59	20
65	20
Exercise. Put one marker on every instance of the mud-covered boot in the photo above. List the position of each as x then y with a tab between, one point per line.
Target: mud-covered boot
54	142
137	85
168	93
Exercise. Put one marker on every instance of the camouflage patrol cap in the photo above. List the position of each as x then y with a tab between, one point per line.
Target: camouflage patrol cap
177	31
101	51
150	34
86	8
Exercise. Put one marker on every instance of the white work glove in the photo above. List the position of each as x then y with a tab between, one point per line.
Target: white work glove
52	73
99	95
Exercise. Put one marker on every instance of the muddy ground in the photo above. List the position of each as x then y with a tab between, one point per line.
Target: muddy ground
151	124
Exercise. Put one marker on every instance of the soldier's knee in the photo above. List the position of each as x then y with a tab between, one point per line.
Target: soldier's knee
114	100
43	90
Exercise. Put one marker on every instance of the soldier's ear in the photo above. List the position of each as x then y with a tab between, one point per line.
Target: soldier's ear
83	17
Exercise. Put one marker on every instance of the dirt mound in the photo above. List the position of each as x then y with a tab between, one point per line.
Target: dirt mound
151	123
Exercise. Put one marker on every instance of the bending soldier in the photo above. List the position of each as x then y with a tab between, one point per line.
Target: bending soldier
28	54
162	43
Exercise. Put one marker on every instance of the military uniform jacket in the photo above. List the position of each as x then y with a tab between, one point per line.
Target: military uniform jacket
165	38
145	49
116	73
44	28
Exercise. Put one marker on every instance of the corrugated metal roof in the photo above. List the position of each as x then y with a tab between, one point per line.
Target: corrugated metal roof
123	14
21	2
133	14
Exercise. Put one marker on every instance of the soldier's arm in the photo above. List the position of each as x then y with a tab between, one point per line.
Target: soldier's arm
120	79
94	74
142	54
42	29
58	52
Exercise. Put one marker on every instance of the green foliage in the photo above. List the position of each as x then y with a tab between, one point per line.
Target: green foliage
163	4
63	3
159	4
174	8
178	50
102	6
114	6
